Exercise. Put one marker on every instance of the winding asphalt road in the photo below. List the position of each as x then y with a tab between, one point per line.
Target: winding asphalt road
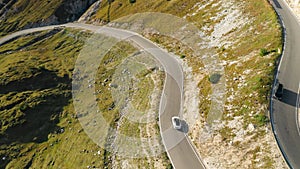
178	146
284	114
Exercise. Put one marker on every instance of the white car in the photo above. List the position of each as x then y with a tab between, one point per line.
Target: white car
176	122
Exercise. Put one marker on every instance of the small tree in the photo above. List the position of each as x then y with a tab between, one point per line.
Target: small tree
132	1
263	52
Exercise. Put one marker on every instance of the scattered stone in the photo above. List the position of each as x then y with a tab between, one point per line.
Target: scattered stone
113	85
250	127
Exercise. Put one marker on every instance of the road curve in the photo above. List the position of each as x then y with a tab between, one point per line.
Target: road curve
284	112
178	146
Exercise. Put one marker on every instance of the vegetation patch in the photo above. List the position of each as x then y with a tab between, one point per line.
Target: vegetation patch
22	14
248	76
138	79
38	122
23	61
263	52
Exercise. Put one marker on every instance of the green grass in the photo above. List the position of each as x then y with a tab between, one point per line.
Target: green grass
226	134
69	149
268	32
265	26
140	86
259	81
263	32
121	8
26	13
22	14
145	88
104	77
268	37
36	103
130	129
39	127
52	58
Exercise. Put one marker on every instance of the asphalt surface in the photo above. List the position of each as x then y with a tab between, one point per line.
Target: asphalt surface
180	151
178	146
284	112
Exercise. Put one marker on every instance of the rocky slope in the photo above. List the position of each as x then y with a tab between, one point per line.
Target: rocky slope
235	32
20	14
295	6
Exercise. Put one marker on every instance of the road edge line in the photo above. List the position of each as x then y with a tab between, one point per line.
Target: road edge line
297	111
159	119
284	34
195	151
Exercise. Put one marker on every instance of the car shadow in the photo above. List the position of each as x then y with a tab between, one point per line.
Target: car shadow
184	127
276	3
289	97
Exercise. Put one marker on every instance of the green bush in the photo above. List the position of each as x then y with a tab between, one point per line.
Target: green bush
132	1
170	166
263	52
23	106
261	119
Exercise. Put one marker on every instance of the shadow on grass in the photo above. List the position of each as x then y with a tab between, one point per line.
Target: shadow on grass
41	79
41	116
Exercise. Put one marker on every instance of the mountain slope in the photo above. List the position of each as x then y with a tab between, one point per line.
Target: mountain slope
20	14
237	31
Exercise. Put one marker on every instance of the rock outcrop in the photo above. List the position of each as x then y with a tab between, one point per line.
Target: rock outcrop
22	14
90	12
71	10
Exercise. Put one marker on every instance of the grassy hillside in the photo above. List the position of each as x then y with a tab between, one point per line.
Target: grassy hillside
120	8
38	126
20	14
35	96
261	33
248	74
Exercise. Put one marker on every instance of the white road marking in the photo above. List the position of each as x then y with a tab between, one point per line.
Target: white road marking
195	151
297	111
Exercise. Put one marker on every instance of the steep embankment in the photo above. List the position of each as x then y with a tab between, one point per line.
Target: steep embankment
244	35
39	126
20	14
35	93
246	38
